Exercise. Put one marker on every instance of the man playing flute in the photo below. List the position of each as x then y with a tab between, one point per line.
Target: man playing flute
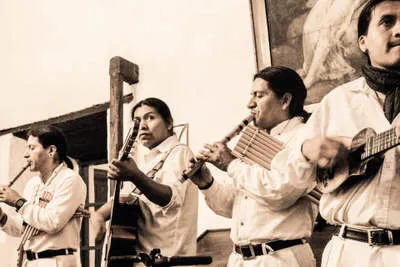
271	215
45	220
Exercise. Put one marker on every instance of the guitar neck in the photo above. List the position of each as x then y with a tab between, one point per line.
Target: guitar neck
380	143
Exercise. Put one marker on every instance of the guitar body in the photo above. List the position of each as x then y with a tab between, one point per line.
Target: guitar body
122	237
350	171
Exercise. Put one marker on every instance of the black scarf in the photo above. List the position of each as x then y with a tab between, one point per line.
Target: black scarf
388	83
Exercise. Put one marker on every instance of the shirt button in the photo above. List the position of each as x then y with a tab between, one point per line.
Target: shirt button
246	197
241	223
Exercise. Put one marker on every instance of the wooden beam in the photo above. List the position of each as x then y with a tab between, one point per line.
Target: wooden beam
67	117
121	71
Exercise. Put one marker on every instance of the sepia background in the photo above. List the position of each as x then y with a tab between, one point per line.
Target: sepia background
198	56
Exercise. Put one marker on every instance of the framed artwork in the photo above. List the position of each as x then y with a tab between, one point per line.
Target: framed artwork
317	38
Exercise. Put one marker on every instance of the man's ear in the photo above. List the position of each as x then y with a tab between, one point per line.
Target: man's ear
170	125
362	44
52	150
286	100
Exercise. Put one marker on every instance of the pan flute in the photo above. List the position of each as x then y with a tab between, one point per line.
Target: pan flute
257	147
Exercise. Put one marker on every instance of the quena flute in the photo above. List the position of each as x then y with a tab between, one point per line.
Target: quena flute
198	163
19	174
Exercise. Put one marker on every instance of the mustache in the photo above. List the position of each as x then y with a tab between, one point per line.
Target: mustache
394	43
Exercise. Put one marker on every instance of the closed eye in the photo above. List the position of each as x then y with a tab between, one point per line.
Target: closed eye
259	94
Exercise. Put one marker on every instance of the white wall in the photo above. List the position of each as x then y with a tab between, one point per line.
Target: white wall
11	163
198	56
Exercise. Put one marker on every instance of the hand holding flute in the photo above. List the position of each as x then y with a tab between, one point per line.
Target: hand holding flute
8	195
199	161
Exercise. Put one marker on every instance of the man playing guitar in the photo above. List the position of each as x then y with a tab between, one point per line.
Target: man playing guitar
366	210
168	218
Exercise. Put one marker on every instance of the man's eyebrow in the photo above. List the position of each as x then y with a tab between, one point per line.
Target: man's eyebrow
386	16
147	114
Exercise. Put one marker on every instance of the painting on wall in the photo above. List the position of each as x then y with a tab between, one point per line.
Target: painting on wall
317	38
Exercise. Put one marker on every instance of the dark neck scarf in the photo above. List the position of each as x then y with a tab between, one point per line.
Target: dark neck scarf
388	83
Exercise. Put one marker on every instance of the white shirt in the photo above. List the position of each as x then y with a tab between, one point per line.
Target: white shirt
172	228
373	202
58	228
265	205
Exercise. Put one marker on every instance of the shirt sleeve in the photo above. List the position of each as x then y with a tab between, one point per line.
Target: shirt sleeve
172	170
289	179
220	197
13	226
70	192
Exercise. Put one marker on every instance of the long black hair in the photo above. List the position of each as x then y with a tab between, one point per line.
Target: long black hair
283	80
51	135
160	106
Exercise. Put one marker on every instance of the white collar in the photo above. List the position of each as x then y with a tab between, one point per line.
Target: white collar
286	125
164	146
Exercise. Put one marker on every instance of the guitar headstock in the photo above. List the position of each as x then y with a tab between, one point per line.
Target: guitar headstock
130	139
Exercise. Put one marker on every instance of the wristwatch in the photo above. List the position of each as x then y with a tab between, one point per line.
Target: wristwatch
19	203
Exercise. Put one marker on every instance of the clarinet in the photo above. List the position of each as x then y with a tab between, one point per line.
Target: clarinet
198	163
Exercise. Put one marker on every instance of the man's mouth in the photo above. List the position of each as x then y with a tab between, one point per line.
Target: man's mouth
144	135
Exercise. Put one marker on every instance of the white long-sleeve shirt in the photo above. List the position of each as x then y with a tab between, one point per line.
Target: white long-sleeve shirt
173	227
372	202
58	229
266	205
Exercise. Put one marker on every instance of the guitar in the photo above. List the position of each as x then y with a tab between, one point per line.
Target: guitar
122	231
364	160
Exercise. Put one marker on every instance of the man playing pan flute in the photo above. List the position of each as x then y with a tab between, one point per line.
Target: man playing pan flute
271	217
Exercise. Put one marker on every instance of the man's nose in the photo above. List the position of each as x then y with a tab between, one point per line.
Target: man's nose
26	154
396	29
143	124
251	104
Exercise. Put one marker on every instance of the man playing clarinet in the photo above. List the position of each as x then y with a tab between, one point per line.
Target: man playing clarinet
46	223
271	215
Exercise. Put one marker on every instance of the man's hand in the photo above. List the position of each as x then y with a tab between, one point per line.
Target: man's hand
218	154
8	195
123	170
98	225
326	152
202	178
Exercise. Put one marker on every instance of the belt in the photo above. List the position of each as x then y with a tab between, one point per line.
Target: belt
374	237
250	251
30	255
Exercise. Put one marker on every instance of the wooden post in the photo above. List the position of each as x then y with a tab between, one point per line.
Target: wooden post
121	70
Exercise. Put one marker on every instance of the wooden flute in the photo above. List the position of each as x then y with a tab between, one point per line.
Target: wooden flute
198	163
19	174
